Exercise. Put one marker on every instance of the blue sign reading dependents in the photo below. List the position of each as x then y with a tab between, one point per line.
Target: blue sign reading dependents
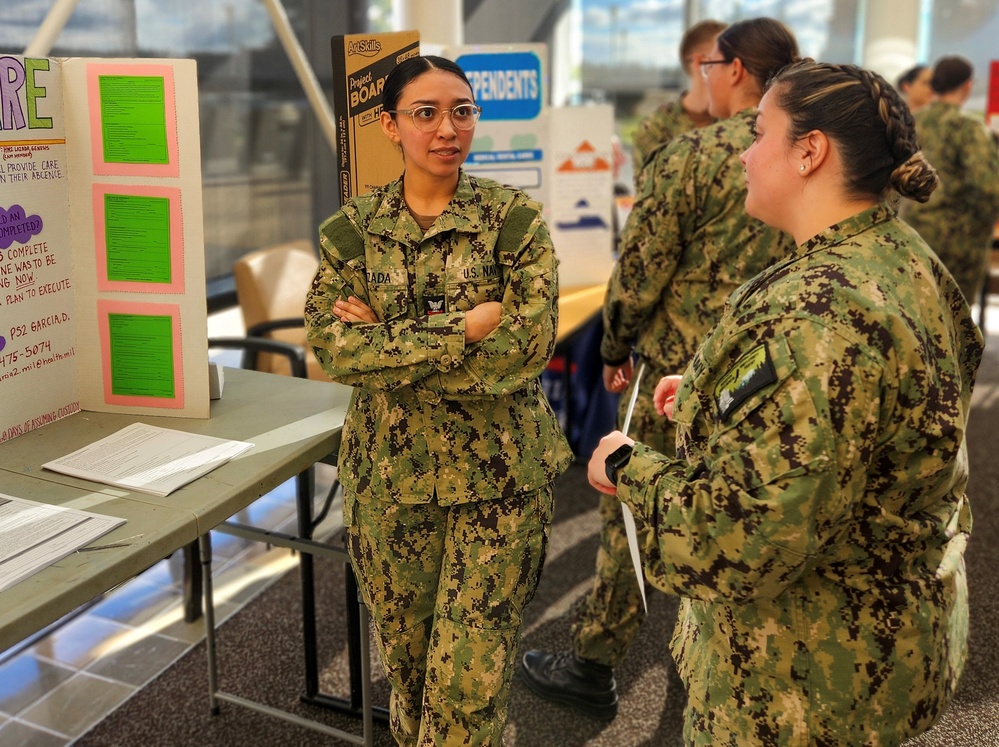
507	85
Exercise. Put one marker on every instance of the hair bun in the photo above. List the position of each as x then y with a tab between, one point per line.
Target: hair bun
915	178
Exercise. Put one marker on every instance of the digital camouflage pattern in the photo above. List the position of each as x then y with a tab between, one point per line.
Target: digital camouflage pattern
430	418
449	451
687	245
484	560
957	221
658	128
815	519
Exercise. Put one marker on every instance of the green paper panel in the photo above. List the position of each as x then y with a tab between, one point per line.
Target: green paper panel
133	119
141	355
137	236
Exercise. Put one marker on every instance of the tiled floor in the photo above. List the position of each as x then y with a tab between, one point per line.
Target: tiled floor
57	685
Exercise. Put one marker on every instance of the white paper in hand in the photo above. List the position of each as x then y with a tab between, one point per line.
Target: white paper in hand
629	519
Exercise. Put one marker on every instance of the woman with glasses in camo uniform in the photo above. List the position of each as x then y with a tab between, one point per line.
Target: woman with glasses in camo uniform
686	246
436	298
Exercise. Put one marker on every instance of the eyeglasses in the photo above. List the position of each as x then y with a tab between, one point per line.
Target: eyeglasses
706	63
428	118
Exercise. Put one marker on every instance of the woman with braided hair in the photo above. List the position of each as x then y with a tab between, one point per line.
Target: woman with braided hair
814	518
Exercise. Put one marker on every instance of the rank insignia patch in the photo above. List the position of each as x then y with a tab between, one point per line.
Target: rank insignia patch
751	372
434	305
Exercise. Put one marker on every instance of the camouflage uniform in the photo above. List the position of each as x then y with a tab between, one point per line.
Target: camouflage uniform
448	451
958	220
657	129
687	245
815	519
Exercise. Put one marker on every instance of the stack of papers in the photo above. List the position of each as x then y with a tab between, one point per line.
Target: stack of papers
148	459
36	535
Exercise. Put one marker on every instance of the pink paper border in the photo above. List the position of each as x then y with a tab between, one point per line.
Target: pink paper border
176	239
104	310
172	168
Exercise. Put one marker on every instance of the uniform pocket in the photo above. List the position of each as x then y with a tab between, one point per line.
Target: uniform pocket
465	294
389	301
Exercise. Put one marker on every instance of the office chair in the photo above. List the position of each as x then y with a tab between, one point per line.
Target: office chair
271	285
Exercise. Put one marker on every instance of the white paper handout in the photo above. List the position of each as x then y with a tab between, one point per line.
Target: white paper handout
148	459
36	535
629	519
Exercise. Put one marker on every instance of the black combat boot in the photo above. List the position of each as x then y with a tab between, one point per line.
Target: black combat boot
573	681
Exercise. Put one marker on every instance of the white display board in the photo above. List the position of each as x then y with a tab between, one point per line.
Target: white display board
102	272
581	189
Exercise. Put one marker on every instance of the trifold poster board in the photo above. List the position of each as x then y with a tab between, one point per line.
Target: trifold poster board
365	157
102	275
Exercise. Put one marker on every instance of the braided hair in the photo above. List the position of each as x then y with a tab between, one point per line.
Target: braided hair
866	118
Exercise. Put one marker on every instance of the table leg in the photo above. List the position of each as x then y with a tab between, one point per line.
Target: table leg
192	583
205	543
304	489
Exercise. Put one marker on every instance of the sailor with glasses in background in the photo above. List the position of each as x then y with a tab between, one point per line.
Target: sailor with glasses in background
686	246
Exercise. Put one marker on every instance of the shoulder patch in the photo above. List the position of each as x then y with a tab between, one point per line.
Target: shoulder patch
511	235
751	372
342	235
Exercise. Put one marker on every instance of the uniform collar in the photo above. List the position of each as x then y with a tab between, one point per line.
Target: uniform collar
748	114
835	234
845	229
393	219
940	105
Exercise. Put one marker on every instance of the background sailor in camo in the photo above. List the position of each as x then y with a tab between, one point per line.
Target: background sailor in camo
687	245
959	219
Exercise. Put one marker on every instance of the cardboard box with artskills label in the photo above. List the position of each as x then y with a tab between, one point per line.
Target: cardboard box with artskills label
365	157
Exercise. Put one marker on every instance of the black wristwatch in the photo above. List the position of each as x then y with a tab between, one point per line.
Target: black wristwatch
615	461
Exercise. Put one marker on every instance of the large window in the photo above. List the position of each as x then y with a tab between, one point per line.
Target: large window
825	29
256	127
969	28
630	47
264	160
